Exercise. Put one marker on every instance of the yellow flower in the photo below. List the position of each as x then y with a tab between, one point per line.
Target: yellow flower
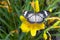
45	36
32	28
35	5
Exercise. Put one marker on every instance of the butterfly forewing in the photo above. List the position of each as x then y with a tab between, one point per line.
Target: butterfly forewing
32	18
39	19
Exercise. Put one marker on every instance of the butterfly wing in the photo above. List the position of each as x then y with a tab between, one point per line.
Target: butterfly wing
35	18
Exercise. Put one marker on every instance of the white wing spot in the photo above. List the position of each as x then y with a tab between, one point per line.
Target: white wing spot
25	13
45	13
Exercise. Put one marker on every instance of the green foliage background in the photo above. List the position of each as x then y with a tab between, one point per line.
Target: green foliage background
10	21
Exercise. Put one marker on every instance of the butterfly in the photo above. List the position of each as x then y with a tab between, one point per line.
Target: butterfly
35	17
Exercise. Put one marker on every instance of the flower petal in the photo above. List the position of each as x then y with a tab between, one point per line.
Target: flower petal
41	26
33	32
22	18
37	6
24	27
45	36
